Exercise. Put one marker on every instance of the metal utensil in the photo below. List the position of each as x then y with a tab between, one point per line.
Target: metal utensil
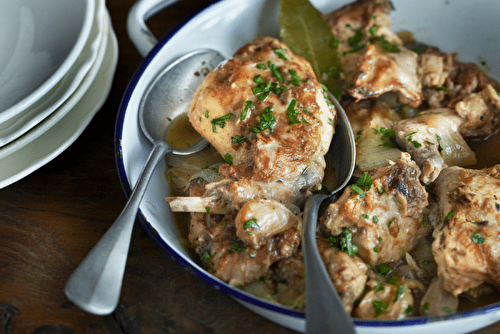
325	312
96	284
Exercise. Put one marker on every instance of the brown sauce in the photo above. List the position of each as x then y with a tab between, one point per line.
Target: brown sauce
180	133
487	150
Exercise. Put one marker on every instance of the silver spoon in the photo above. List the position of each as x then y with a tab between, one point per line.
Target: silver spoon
325	312
96	284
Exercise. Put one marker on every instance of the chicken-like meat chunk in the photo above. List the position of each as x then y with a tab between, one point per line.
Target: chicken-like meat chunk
348	273
433	141
384	215
372	56
265	112
386	301
463	87
467	239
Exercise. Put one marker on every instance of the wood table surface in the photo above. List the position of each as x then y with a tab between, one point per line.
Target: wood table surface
52	218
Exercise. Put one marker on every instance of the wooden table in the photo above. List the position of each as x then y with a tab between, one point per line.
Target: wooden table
51	219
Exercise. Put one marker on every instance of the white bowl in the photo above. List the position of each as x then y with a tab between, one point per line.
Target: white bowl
470	28
40	41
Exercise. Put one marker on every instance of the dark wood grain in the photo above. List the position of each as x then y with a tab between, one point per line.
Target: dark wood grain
52	218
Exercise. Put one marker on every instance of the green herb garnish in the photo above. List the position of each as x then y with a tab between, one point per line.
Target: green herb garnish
221	121
477	238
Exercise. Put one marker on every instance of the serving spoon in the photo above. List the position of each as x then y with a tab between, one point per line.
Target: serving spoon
325	312
96	283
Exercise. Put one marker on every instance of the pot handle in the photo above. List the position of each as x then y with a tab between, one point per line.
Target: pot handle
142	38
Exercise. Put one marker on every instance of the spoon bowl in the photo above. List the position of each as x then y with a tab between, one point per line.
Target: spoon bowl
96	283
325	312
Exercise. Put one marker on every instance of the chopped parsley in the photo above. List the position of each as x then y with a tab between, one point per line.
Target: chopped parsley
281	53
380	191
387	138
400	290
236	248
207	209
261	66
438	138
238	140
447	309
384	269
207	113
221	121
366	182
450	214
267	121
276	72
379	287
293	112
385	44
295	78
414	142
440	89
252	223
375	219
375	249
344	242
228	159
365	216
334	43
477	238
380	307
248	105
263	89
373	30
354	42
207	256
425	306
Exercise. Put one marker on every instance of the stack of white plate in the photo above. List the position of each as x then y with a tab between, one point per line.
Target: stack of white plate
57	64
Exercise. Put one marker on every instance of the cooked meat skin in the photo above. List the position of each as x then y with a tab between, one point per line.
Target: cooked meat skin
370	71
286	151
391	221
463	87
469	211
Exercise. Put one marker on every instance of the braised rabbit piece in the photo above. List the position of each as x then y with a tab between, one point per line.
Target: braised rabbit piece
266	114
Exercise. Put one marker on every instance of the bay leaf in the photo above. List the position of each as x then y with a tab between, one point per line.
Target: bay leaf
307	33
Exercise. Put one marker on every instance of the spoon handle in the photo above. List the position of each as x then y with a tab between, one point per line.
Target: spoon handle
325	312
96	284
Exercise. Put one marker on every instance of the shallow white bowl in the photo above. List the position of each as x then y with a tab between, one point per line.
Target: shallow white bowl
470	28
40	41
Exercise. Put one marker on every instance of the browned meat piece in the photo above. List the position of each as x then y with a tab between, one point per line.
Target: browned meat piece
359	15
467	238
372	57
480	111
348	273
386	301
433	141
266	113
463	87
379	72
214	238
386	219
